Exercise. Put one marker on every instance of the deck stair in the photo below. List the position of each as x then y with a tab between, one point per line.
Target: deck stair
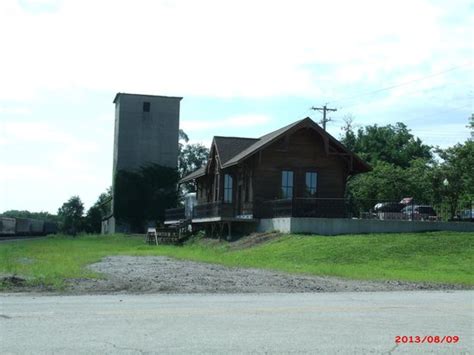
173	233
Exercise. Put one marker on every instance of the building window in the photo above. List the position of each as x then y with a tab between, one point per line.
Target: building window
227	188
311	183
286	184
146	106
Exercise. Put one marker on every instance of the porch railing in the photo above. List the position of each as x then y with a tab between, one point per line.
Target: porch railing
214	209
305	207
332	208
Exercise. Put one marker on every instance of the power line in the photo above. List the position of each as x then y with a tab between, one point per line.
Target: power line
344	107
404	83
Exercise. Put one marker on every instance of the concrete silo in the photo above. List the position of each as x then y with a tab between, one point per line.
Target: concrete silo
146	132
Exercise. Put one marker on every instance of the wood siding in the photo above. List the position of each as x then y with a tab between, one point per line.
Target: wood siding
301	152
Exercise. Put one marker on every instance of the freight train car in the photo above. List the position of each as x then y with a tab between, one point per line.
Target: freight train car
50	228
26	227
36	227
7	226
23	226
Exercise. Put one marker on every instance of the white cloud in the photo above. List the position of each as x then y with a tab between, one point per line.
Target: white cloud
240	121
14	110
443	135
221	49
46	165
40	132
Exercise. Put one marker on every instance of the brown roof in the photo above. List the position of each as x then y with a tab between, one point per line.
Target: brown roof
233	150
259	144
194	175
229	147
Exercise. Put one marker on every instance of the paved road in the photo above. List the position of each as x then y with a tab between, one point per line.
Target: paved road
235	323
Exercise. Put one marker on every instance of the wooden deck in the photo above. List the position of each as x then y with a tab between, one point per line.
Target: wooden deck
173	222
223	219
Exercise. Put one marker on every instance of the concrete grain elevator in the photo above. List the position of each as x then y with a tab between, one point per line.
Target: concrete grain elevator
146	132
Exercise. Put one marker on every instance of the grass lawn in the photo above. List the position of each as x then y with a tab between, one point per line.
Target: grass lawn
444	257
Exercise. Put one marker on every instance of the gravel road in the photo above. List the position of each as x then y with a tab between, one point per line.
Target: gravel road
157	274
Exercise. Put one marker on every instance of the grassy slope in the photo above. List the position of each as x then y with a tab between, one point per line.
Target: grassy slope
50	260
444	257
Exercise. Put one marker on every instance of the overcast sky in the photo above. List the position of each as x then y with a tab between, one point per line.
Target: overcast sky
243	67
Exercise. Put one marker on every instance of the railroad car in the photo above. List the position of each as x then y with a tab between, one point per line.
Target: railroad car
26	227
7	226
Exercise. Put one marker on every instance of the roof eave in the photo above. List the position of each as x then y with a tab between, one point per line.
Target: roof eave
194	175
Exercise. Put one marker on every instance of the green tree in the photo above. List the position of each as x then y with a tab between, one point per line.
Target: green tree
402	164
349	138
453	179
419	179
71	216
101	208
45	216
392	144
191	158
471	125
404	167
182	137
390	182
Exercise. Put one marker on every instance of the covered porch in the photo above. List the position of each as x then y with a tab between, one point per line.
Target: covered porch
295	207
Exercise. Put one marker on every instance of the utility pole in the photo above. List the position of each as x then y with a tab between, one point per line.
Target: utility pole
324	109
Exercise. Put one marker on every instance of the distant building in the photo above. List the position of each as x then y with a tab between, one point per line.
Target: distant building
146	132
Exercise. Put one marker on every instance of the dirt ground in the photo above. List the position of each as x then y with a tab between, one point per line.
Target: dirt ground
157	274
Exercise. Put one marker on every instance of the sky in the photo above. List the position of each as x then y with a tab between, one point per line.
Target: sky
243	68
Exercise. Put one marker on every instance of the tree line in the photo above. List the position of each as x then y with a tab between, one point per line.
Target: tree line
403	166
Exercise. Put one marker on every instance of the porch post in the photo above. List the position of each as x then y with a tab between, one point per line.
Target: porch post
229	230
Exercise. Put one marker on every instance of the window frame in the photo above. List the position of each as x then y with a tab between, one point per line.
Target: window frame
308	188
287	187
228	188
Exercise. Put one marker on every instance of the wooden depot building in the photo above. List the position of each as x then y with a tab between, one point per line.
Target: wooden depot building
299	170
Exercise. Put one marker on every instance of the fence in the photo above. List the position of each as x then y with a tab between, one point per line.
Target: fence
463	211
214	209
407	209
